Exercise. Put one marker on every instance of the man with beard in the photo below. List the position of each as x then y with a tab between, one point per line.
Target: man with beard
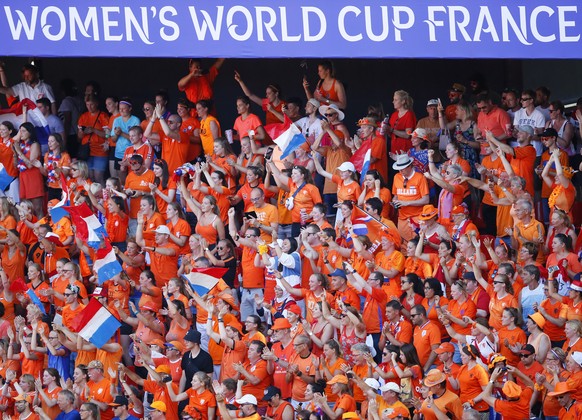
455	95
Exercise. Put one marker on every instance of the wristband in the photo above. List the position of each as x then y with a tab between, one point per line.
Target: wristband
220	320
162	117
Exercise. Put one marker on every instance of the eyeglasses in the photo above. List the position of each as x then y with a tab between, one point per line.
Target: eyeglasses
66	270
158	162
147	109
69	294
525	99
499	282
413	315
523	356
552	110
331	114
250	236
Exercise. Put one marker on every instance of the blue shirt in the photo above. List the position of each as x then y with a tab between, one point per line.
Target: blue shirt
71	415
122	142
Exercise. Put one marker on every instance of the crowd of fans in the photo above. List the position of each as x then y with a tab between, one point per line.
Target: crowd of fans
441	282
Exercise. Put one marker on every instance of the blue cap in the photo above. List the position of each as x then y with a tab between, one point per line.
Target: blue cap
338	273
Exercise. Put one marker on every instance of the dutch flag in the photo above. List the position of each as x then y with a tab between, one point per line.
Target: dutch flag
96	324
89	229
106	264
290	139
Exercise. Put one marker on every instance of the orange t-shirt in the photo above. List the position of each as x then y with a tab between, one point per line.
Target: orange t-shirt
424	338
97	121
258	370
266	215
517	335
253	276
305	366
230	357
471	383
523	163
345	191
181	229
305	199
496	307
116	226
138	183
174	151
13	264
416	188
165	267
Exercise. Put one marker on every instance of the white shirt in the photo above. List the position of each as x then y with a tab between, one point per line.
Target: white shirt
41	90
536	120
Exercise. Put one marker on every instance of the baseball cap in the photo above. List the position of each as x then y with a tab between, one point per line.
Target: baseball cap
338	273
270	392
247	399
193	336
432	102
445	348
177	345
391	386
338	379
163	229
527	350
159	405
119	400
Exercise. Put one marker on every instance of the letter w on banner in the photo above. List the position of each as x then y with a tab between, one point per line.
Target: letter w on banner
96	324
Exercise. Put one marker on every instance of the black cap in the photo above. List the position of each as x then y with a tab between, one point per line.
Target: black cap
118	401
193	336
549	132
527	350
270	392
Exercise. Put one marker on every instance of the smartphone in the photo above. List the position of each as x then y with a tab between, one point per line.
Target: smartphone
250	214
269	153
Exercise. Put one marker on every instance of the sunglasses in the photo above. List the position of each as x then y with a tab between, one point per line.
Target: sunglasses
330	114
525	99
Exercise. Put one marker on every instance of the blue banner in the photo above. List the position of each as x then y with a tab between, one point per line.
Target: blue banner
297	28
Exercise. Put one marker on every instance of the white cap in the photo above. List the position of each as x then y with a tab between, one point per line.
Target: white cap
163	229
577	356
347	166
314	102
390	386
372	383
247	399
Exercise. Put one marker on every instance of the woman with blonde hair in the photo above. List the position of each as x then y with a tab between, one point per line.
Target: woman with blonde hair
402	122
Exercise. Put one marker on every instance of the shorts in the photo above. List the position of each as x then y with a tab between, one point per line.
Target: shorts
116	164
97	163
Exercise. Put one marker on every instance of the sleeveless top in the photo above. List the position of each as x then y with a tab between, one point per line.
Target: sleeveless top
348	342
208	232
